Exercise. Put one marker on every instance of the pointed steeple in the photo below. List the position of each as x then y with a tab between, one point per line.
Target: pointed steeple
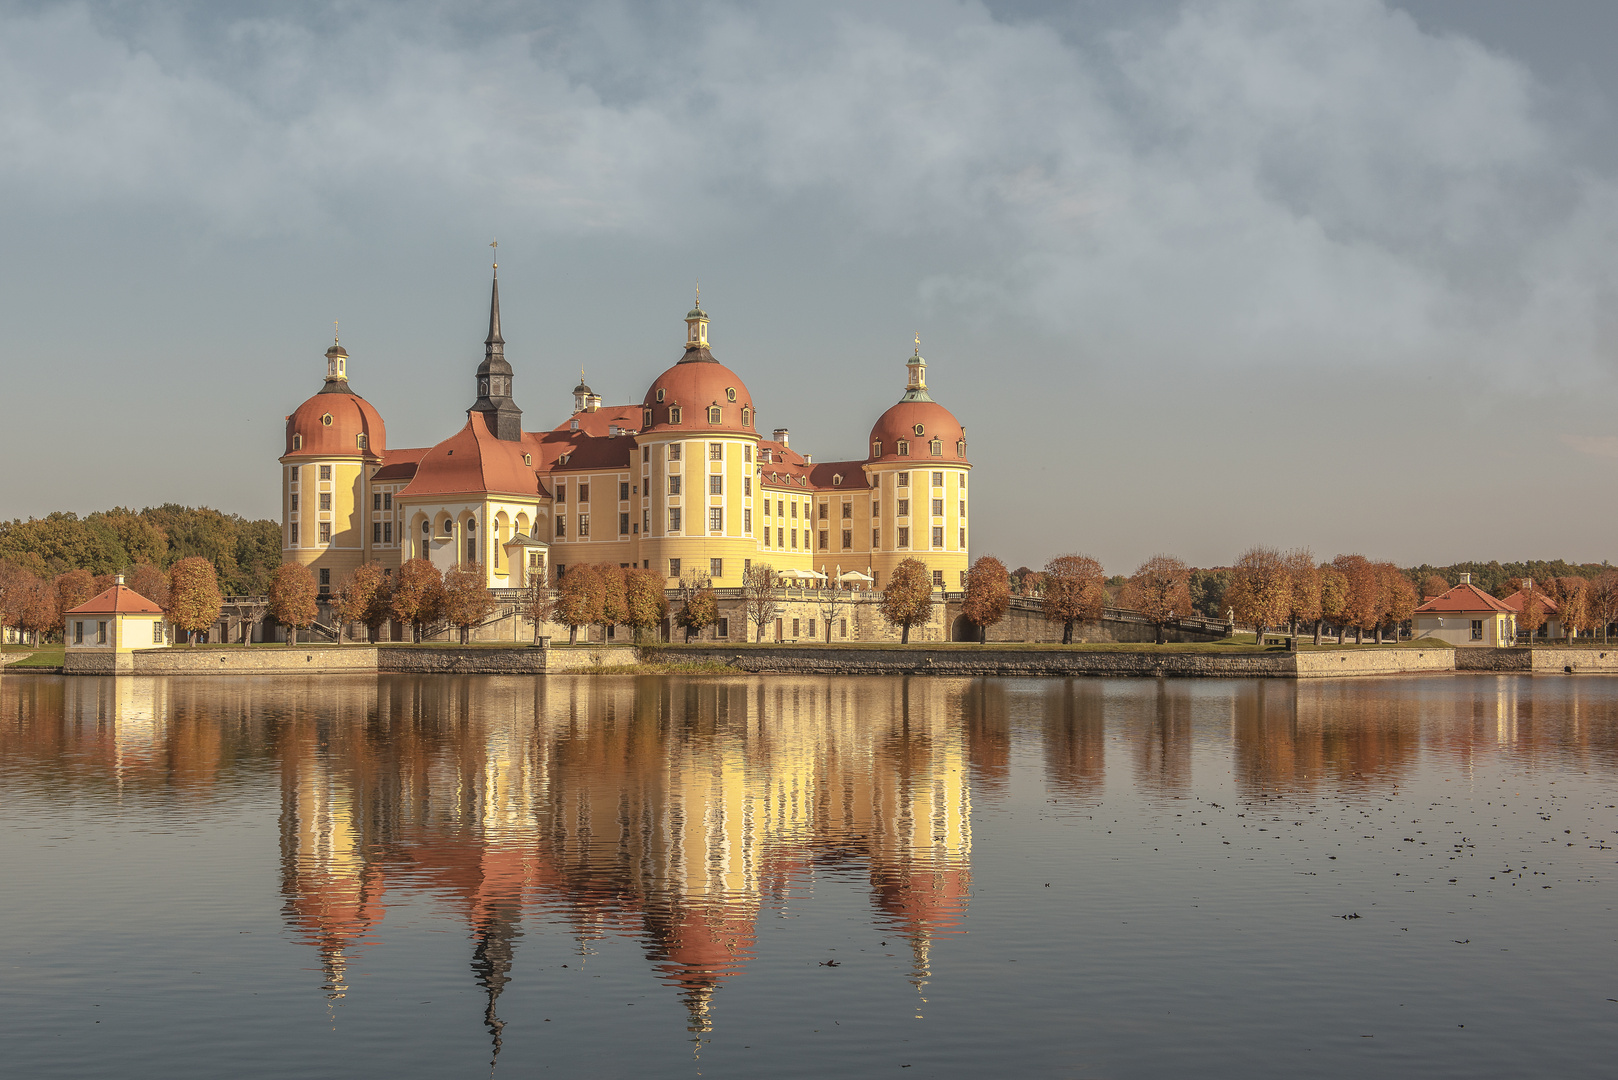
494	400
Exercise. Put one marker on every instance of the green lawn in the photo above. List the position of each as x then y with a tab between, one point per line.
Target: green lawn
48	656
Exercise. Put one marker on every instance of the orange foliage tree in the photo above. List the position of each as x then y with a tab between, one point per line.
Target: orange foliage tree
292	599
1260	589
72	589
194	597
699	605
1574	606
614	598
1434	585
1159	589
988	594
418	595
1362	594
1074	589
467	600
907	598
357	597
1399	599
578	600
1303	594
646	604
1604	600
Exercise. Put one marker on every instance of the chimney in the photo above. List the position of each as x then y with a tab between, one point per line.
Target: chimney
1466	579
807	460
781	436
593	403
118	579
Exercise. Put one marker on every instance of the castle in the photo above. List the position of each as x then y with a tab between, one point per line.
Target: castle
681	482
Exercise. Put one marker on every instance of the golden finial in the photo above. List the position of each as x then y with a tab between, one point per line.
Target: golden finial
335	340
918	342
496	245
698	303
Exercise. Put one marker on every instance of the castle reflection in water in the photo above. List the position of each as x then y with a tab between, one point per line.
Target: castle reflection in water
675	811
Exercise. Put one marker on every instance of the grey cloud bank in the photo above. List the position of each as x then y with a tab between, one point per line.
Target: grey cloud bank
1194	278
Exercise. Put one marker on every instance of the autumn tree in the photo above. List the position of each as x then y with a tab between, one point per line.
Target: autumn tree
831	601
1434	585
1573	606
759	596
699	606
1604	600
539	602
1531	616
988	595
467	599
18	587
72	589
907	598
194	597
1260	589
292	595
1303	594
357	597
1399	598
614	597
1075	590
1333	600
150	582
418	595
646	603
1362	594
578	600
1160	590
40	613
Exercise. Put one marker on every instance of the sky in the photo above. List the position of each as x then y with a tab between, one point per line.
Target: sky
1337	274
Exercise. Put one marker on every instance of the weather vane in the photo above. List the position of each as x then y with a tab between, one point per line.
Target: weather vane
496	245
335	340
918	342
699	293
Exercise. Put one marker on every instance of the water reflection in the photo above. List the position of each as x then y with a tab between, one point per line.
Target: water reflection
678	812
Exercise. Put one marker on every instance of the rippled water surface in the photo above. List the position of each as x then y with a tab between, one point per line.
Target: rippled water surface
605	876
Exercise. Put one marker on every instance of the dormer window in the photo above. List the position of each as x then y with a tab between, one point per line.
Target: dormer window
837	481
297	442
960	448
730	393
936	447
528	459
659	393
360	440
876	448
904	448
646	418
674	414
713	414
747	416
919	430
573	425
326	419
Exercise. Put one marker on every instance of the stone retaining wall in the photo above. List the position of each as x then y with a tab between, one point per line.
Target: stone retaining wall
258	660
1546	661
519	661
347	660
1338	663
985	660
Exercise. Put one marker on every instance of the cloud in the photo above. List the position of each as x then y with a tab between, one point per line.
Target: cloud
1316	184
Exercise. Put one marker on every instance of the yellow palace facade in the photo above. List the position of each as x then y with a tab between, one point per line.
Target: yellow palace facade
681	482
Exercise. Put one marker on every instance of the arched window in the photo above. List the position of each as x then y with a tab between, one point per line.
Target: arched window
904	448
297	442
360	440
674	414
713	414
747	416
936	446
876	448
960	448
646	418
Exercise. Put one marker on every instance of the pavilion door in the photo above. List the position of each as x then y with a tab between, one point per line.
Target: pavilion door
777	629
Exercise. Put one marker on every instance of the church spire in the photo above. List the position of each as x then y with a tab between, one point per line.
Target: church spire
494	401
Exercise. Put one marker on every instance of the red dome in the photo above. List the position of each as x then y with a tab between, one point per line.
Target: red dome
695	385
903	420
331	424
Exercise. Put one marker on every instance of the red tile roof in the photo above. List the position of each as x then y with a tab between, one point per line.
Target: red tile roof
1462	598
823	476
473	461
400	464
118	600
1514	602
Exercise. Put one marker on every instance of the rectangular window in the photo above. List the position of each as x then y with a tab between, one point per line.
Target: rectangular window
795	538
645	521
716	519
101	633
904	507
747	485
78	633
623	490
376	501
963	579
795	625
747	453
811	628
963	508
904	448
938	536
157	632
876	538
724	627
623	524
325	578
584	492
938	578
325	532
325	500
825	511
387	532
716	568
716	451
646	451
674	568
674	485
824	543
716	485
780	538
387	500
584	525
904	537
747	523
904	479
376	532
938	479
876	508
294	502
848	539
842	627
294	534
561	525
938	508
561	491
1477	629
674	519
963	539
848	511
674	450
794	509
325	472
674	415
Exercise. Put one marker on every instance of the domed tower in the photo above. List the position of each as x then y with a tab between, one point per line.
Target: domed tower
334	442
918	468
494	400
698	466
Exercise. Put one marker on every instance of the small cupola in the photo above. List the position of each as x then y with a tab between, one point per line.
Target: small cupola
916	383
696	325
582	395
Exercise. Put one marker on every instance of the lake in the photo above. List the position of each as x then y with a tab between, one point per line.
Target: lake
611	876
